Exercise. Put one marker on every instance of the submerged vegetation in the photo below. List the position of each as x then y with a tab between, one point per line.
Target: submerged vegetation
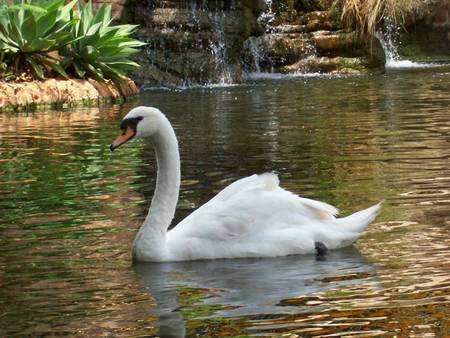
366	15
44	38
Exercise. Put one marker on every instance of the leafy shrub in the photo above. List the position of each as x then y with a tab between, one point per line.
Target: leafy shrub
31	31
99	49
45	35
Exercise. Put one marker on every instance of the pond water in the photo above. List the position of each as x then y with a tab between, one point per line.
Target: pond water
69	209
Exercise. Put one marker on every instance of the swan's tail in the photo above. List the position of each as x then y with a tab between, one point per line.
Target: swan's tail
358	221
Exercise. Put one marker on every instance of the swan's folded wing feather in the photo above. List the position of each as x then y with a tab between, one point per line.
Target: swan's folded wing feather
265	181
252	206
319	209
234	211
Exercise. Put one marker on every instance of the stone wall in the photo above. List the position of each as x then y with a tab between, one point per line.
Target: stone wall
216	41
427	35
192	42
309	38
439	15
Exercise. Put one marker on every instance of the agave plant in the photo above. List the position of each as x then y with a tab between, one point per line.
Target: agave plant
31	30
99	49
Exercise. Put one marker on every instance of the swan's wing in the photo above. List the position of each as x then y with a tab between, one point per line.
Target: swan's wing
255	217
254	204
319	209
270	182
265	181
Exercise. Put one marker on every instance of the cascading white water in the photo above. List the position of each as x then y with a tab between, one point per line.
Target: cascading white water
267	16
256	53
218	49
389	40
262	59
217	43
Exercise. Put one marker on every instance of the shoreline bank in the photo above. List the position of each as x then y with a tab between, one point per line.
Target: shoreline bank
63	92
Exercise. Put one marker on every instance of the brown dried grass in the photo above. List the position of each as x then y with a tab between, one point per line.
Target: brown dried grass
366	15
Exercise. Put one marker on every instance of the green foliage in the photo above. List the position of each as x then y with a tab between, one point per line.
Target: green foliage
30	31
49	35
100	50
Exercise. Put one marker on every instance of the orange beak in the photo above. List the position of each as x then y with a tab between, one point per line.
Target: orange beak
126	135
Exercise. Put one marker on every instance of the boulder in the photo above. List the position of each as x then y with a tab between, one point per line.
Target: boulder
350	44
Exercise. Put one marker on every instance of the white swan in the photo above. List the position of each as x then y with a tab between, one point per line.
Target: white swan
252	217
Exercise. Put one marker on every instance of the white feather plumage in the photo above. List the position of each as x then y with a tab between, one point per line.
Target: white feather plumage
252	217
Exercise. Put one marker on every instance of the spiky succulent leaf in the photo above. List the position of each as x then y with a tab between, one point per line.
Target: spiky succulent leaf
100	48
87	42
29	30
37	68
55	65
79	70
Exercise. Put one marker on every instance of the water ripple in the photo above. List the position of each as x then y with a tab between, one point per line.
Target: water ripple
70	209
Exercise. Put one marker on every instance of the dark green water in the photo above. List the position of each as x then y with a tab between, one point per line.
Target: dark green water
69	209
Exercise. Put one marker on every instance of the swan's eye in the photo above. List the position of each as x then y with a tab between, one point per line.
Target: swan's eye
130	122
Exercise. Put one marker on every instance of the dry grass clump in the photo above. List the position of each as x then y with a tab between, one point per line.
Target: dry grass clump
367	14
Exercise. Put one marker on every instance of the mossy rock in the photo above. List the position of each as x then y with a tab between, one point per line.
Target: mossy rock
425	43
340	65
350	44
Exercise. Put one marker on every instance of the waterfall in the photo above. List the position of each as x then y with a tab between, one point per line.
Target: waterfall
218	48
255	55
210	42
190	43
267	16
280	49
389	40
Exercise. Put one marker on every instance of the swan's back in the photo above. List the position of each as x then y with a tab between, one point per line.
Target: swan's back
255	217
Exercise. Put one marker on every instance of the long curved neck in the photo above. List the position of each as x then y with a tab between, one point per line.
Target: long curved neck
151	238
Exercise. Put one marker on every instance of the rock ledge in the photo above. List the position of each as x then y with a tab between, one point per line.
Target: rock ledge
62	92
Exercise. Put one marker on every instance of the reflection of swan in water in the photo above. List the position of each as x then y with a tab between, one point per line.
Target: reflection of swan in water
252	217
243	286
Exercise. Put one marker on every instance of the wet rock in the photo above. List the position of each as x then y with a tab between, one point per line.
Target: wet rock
340	65
193	42
282	48
426	36
350	44
289	29
320	16
321	51
315	25
334	42
180	19
203	42
256	6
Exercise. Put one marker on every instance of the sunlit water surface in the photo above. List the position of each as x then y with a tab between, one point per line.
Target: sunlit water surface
70	209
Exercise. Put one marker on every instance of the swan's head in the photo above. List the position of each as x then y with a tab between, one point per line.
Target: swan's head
139	122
